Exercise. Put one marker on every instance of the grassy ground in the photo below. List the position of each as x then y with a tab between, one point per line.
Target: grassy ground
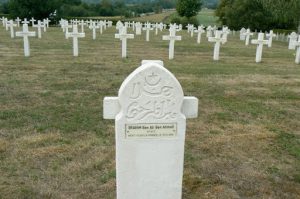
55	144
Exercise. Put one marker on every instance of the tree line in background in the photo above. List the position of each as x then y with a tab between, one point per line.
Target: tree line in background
77	8
260	14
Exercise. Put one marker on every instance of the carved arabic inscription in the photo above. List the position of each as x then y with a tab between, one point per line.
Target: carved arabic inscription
151	98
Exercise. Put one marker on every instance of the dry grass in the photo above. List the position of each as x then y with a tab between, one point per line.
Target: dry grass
54	143
154	17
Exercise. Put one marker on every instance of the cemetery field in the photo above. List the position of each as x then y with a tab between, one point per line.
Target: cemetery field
54	142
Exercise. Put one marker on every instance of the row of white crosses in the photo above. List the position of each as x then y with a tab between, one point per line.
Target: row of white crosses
220	36
25	33
94	25
9	24
138	27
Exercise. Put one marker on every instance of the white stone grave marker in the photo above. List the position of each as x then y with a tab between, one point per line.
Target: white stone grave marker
260	42
25	34
150	125
75	34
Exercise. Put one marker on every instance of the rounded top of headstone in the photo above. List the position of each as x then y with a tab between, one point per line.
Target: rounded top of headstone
151	93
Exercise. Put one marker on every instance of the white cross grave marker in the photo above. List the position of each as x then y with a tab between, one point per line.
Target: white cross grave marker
225	32
82	24
150	125
11	25
147	27
172	38
209	30
123	36
3	21
247	35
101	24
260	42
242	35
18	20
192	29
138	28
47	21
32	21
293	38
65	26
217	40
25	21
25	34
270	36
39	27
156	28
109	24
133	26
7	23
297	44
199	32
93	26
75	34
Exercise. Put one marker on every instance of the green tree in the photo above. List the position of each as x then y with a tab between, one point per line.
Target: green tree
286	13
32	8
259	14
188	8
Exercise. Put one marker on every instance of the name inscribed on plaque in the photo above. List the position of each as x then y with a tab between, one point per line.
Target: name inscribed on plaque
151	130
